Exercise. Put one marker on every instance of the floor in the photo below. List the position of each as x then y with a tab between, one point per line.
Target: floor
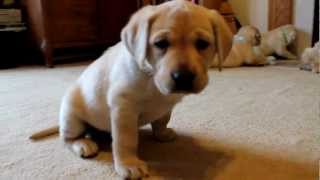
250	123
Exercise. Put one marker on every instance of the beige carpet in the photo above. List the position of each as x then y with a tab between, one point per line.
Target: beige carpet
250	123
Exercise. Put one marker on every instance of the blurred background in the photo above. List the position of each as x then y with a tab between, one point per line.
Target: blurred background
57	31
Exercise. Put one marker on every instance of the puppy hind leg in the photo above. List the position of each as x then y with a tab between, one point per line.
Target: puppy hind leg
83	147
160	130
72	131
285	53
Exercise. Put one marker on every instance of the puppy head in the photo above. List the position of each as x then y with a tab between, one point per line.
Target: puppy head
251	34
176	42
290	32
308	59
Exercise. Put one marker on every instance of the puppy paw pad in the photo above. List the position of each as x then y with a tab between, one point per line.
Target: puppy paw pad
85	148
132	170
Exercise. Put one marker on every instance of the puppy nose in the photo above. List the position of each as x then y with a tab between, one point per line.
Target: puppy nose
258	41
183	80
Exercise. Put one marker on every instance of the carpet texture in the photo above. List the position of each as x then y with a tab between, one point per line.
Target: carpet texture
250	123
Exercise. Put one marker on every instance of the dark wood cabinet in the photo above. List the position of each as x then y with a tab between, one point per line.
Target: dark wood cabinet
57	24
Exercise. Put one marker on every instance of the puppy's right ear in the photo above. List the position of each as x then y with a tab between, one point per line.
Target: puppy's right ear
135	36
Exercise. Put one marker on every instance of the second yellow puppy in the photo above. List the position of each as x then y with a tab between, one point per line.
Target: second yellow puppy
245	49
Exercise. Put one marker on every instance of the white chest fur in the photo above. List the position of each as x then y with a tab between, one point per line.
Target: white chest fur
155	108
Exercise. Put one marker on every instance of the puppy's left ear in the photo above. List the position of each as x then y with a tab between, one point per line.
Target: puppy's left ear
223	35
135	36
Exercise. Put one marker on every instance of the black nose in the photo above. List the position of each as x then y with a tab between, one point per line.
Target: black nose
183	80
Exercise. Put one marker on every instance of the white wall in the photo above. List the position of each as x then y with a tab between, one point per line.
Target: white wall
255	12
303	20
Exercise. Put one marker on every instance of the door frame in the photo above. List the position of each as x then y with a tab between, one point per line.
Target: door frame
280	13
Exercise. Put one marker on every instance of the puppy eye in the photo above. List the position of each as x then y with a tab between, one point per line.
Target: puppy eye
162	44
202	44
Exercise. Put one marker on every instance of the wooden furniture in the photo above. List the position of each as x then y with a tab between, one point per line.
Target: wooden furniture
226	10
58	24
13	48
280	13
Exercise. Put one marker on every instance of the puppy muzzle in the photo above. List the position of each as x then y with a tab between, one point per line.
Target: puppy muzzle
183	80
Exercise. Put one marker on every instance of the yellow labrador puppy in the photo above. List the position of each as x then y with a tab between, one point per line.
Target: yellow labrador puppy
277	41
310	59
163	55
245	49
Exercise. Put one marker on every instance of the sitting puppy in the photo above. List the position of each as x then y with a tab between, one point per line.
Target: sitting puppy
277	41
310	59
245	49
164	54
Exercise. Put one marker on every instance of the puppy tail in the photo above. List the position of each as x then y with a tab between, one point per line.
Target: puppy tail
44	133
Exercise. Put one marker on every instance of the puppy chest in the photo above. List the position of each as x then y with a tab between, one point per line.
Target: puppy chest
154	110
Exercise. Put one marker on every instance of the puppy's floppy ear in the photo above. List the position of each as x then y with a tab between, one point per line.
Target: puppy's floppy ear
223	35
135	36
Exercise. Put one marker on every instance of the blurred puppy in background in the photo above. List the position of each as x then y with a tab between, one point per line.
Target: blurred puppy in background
277	41
245	49
310	59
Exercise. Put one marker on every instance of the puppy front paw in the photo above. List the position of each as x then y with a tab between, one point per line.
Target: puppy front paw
132	169
165	135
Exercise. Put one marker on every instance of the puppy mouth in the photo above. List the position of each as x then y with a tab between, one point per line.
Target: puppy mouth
182	92
186	88
174	89
189	90
181	81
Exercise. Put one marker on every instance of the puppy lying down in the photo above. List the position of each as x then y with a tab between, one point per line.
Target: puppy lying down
245	49
164	54
310	59
277	41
